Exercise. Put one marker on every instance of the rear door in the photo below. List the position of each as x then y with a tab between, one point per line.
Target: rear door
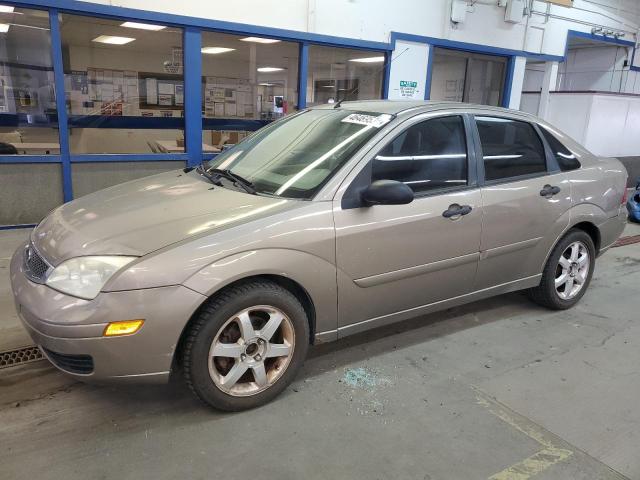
524	200
394	259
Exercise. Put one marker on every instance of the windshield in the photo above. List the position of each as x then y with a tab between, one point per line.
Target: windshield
294	157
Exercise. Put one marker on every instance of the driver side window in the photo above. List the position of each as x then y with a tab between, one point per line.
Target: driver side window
429	155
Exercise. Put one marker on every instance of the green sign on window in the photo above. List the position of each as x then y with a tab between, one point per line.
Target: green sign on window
405	83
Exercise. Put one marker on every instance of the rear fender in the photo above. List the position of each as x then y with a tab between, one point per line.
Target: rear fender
585	212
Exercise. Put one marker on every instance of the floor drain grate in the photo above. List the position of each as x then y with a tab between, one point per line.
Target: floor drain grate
627	240
20	356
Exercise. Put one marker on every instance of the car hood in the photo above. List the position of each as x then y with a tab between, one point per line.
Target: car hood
143	215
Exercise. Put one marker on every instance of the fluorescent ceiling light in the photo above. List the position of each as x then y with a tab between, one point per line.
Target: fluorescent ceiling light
270	69
4	27
143	26
327	86
259	40
6	9
267	84
110	39
368	60
214	50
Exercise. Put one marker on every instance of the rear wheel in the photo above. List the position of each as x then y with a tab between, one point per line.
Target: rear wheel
568	272
246	346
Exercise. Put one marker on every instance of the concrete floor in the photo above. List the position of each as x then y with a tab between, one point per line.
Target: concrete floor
496	389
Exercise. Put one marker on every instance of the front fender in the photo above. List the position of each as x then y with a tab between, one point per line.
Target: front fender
314	274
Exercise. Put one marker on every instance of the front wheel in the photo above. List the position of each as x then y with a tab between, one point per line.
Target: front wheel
568	272
246	346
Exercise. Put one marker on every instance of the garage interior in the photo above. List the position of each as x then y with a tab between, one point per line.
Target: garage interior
496	389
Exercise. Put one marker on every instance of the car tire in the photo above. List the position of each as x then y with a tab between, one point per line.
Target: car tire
564	280
258	360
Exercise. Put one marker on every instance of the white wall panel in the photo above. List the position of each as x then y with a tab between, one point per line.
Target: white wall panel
570	113
409	65
605	124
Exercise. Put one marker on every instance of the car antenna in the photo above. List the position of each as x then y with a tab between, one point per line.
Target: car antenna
355	90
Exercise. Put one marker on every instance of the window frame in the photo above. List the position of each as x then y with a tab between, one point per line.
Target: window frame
468	145
359	176
550	152
549	160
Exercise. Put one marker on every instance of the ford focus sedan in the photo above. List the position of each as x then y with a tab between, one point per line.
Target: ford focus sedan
329	222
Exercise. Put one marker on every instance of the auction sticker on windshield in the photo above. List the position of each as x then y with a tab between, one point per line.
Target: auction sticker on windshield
376	121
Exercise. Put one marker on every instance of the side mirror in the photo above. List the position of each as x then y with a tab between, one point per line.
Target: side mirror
387	192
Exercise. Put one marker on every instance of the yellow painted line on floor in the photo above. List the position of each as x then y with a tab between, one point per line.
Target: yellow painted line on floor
536	463
533	465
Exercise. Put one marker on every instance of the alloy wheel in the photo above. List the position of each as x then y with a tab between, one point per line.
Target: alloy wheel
572	270
251	351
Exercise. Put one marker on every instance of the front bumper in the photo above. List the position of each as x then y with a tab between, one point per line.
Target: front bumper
72	327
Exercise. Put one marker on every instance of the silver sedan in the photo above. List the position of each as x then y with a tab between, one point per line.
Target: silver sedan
329	222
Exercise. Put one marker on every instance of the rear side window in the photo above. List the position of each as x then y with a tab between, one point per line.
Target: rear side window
510	148
429	155
566	159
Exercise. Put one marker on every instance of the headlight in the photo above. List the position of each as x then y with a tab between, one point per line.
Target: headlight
84	276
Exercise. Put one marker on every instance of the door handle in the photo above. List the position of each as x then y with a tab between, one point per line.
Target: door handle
454	211
549	191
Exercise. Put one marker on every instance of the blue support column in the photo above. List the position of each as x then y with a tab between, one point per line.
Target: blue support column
508	82
61	104
388	58
303	71
193	95
427	82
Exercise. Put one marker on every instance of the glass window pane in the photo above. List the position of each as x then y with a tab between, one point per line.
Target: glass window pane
565	157
29	192
124	84
246	83
510	148
343	74
467	77
28	120
89	177
427	156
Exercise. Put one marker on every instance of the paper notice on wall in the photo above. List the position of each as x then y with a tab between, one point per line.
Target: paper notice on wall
240	109
230	109
179	94
219	109
218	95
165	88
106	92
152	91
165	100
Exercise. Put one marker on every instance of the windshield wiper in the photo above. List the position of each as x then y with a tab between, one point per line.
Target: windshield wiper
212	178
233	177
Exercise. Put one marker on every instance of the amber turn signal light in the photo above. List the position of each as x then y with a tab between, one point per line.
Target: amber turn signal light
124	327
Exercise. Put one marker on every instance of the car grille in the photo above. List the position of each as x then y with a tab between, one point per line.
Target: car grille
35	267
80	364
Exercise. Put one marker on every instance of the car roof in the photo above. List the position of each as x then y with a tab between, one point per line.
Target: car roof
395	107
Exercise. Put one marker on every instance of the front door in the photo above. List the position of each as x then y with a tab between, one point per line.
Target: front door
395	259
